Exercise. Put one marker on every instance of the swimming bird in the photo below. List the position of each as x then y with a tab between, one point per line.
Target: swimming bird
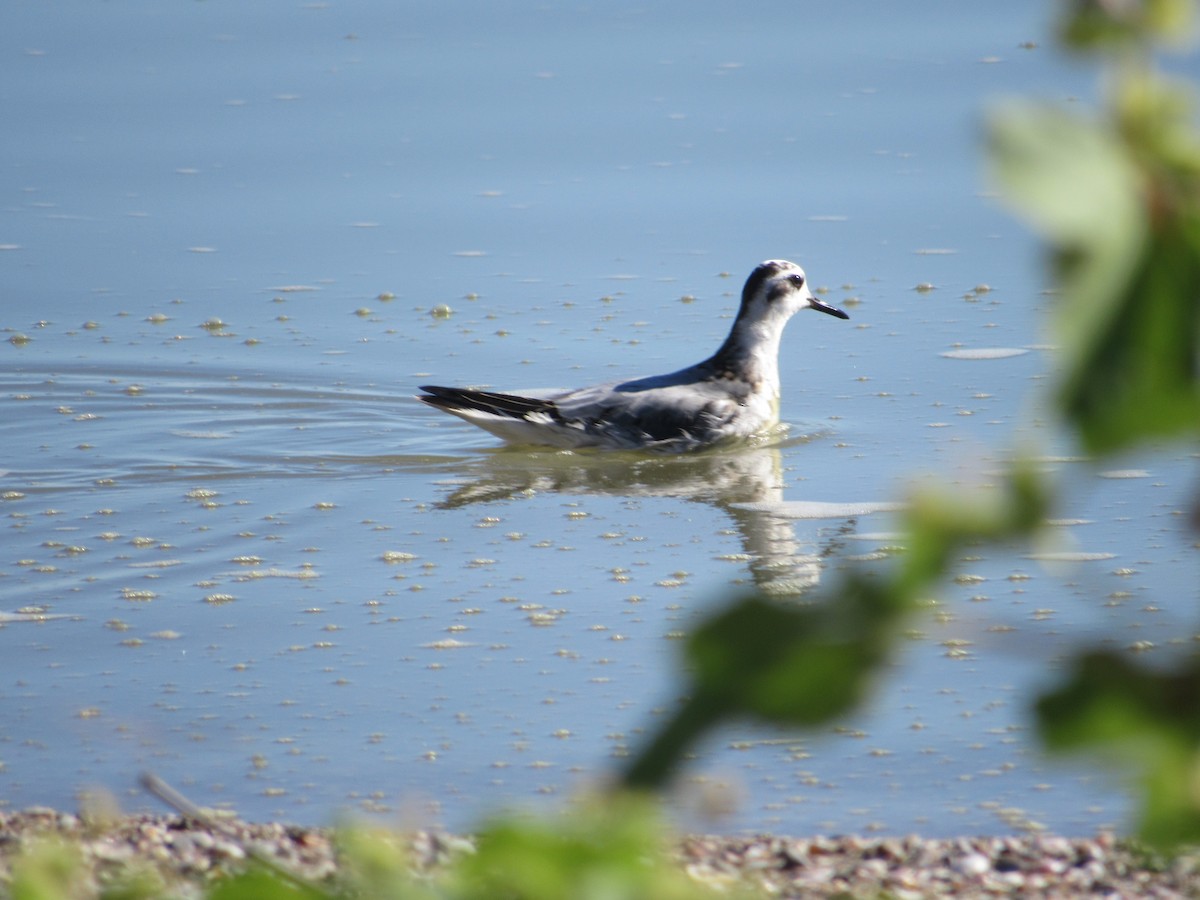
732	394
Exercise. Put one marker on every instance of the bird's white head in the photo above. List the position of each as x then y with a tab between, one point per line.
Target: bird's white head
776	289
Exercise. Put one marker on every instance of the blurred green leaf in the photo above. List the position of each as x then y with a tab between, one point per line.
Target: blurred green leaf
374	862
136	882
1068	174
1155	118
611	848
792	665
1114	205
49	869
1138	716
257	883
1078	186
1106	25
1139	377
789	665
941	518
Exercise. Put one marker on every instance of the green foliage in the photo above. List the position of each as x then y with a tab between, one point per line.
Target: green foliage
1146	719
1117	197
49	870
137	881
613	847
375	864
607	849
258	883
1119	203
790	665
1107	26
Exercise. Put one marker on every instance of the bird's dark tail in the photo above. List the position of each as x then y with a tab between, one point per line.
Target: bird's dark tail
486	401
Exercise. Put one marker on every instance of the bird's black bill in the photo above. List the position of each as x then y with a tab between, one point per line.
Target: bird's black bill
826	308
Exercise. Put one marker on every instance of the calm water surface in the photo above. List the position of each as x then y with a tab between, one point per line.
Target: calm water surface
237	552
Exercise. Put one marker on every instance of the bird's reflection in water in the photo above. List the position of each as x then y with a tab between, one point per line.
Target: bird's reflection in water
745	482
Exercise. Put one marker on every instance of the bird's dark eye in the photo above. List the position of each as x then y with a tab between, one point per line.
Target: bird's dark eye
785	286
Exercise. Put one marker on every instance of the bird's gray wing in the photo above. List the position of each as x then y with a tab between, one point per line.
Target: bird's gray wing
644	411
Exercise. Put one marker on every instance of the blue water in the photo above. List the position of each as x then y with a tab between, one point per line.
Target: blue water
288	588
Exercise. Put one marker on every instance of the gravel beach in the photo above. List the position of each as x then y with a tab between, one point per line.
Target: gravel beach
187	855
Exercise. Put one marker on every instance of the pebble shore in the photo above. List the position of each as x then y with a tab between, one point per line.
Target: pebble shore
188	855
